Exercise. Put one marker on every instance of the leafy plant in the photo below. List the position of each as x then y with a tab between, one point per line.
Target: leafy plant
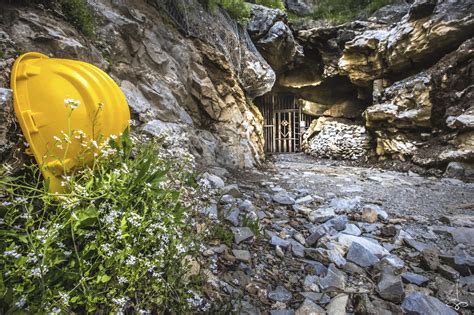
275	4
237	9
222	233
118	239
252	224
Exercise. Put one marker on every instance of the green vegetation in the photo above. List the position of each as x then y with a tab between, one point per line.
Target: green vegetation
340	11
79	13
239	9
253	225
118	239
222	233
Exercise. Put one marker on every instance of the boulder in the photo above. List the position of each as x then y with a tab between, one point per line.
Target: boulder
420	304
390	286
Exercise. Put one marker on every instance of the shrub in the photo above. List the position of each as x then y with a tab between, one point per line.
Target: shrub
117	240
79	13
340	11
238	9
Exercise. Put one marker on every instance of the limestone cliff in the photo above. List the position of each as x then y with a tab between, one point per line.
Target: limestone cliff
184	70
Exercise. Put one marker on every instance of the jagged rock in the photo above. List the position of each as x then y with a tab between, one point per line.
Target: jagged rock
338	223
390	286
334	280
410	277
310	308
242	234
429	259
321	215
282	197
272	36
297	249
363	305
280	294
282	312
369	215
212	180
393	261
232	190
361	256
370	245
319	232
420	304
311	283
422	8
337	306
448	272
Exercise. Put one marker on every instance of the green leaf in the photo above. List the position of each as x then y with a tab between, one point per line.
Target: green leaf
86	217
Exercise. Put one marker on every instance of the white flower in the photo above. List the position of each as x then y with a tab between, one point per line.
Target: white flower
122	302
21	302
122	280
64	297
12	253
131	260
71	103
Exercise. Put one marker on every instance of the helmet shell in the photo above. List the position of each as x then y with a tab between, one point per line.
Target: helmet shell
44	89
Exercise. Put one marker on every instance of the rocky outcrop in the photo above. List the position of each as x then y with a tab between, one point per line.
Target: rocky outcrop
193	88
301	7
405	73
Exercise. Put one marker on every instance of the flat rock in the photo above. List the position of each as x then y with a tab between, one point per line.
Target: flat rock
371	246
319	232
242	234
277	241
352	229
394	261
282	197
346	205
411	277
242	255
420	304
311	283
304	200
310	308
429	259
448	272
321	215
338	223
280	294
361	256
419	246
337	306
282	312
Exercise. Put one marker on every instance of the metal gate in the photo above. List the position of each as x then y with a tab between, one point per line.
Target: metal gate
284	123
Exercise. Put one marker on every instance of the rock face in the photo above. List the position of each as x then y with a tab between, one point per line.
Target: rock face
405	74
193	88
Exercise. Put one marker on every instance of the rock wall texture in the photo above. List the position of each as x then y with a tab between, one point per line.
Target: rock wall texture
405	74
187	86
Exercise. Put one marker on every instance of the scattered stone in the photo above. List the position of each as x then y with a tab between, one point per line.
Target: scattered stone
227	199
419	246
311	283
448	272
317	268
233	216
242	255
361	256
363	305
388	231
352	229
462	262
336	258
279	252
337	306
310	308
232	190
429	259
420	304
321	215
346	205
370	245
212	180
297	249
242	234
282	197
300	238
338	223
277	241
334	279
280	294
304	200
325	256
369	215
353	269
210	211
410	277
394	261
390	286
319	232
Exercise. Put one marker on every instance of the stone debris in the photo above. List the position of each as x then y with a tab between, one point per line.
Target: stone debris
328	257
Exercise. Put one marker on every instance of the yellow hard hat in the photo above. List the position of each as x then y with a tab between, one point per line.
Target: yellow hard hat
61	104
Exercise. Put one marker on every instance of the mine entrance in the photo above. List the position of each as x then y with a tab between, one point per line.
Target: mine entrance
284	122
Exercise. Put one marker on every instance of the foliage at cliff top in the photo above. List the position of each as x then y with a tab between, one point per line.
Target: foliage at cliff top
239	9
118	239
340	11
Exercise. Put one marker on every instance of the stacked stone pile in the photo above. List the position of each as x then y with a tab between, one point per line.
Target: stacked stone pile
339	140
